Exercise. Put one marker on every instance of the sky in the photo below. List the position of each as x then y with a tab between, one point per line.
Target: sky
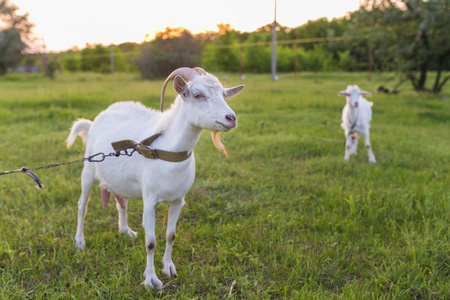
63	24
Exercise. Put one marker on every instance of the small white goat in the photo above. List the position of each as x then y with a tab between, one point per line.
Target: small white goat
199	105
356	117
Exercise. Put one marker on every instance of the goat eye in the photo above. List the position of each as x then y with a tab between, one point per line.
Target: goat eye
198	95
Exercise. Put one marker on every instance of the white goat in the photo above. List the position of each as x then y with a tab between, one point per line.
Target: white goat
356	117
199	105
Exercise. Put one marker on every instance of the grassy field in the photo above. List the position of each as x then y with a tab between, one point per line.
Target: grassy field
283	215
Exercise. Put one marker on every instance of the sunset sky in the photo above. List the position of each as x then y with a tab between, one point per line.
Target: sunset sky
68	23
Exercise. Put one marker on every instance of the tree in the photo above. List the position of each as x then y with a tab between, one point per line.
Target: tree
15	35
171	49
411	35
11	47
96	58
257	58
71	60
222	54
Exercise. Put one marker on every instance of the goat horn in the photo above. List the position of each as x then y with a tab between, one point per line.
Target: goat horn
200	71
187	73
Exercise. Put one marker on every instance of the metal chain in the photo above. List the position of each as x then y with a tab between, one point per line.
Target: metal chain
99	157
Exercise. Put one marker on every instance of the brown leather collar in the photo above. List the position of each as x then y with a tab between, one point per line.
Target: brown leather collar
145	150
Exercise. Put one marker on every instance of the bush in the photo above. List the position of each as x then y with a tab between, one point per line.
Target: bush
317	59
257	59
285	59
52	67
223	54
346	62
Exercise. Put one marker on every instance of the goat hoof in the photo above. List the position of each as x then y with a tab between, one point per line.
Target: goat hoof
169	270
153	282
132	234
80	243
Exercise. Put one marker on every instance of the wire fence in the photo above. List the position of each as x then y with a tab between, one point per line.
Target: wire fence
137	53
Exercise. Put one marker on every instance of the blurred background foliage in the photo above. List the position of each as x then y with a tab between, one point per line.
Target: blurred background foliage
410	37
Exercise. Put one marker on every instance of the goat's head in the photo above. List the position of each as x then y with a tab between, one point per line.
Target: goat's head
204	96
352	93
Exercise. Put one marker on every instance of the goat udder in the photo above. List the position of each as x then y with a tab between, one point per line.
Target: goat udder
105	197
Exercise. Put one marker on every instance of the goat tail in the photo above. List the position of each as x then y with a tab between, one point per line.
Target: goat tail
79	128
215	136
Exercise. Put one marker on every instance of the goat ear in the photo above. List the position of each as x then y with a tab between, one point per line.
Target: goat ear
230	92
180	86
365	93
343	93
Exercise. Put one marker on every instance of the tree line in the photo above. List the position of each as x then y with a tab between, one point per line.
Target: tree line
410	37
227	50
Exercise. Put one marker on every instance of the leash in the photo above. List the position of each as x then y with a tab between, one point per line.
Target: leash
99	157
122	148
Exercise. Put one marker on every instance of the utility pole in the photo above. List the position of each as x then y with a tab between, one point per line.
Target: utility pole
274	46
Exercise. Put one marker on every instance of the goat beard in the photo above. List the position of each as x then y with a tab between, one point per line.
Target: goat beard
215	136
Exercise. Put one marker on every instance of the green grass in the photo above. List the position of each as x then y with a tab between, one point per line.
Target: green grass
283	215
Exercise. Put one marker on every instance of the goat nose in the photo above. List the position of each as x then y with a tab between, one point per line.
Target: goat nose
231	118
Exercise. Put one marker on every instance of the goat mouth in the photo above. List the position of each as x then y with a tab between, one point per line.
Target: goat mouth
227	127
